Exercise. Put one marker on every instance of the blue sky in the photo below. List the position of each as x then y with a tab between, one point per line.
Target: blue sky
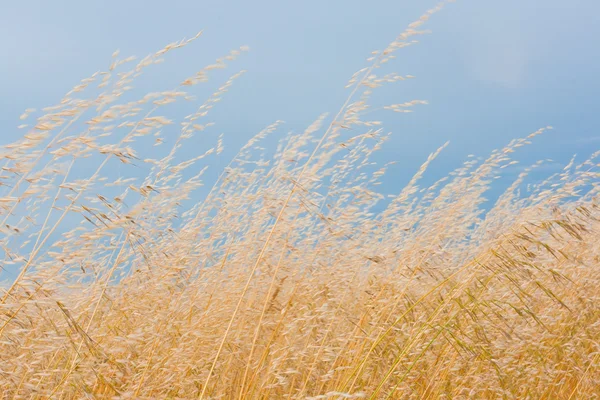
491	71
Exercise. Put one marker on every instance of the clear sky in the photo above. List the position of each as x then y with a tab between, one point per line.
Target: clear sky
491	70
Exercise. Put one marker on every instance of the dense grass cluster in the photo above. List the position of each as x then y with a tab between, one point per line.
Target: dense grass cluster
294	278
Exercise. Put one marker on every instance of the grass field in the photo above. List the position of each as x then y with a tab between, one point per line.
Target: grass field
294	277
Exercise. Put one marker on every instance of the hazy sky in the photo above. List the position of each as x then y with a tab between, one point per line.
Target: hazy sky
491	70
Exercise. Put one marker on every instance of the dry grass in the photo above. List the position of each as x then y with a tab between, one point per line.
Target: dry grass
285	282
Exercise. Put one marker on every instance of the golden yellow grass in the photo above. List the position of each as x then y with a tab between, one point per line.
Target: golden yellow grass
285	282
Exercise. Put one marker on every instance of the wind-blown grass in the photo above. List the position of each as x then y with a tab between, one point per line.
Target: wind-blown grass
286	281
